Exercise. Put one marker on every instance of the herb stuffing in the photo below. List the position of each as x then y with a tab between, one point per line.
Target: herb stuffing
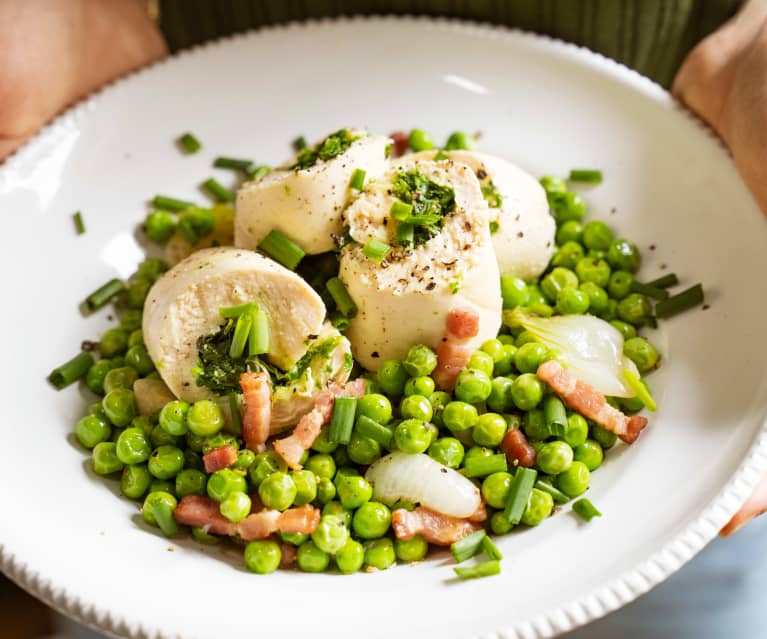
493	198
332	146
430	203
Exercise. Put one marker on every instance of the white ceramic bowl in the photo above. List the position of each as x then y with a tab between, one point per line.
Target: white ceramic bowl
64	534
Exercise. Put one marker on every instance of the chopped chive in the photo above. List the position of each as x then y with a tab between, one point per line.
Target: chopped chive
104	294
217	190
71	371
440	155
665	281
79	224
642	392
237	164
234	409
680	302
338	321
555	493
467	547
592	176
405	234
521	487
344	303
485	569
258	342
170	203
481	466
494	227
490	549
281	249
163	515
370	428
400	210
189	143
556	416
299	144
230	312
241	334
358	179
585	509
375	249
655	292
342	421
259	172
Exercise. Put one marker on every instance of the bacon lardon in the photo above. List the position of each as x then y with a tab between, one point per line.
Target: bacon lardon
454	352
436	528
257	394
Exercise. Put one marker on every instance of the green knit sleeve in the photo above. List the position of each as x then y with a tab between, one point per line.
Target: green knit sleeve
652	36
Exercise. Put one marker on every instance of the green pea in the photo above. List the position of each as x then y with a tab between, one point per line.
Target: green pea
568	255
191	481
597	235
420	140
496	488
133	446
376	407
625	329
572	301
553	185
481	361
422	385
472	386
624	255
294	539
363	450
162	486
492	347
448	451
559	279
194	442
262	556
277	491
379	554
635	308
460	141
353	491
534	425
306	486
136	338
371	520
593	270
323	444
459	416
205	418
596	254
152	268
575	480
94	378
611	311
236	506
555	457
105	459
597	296
122	377
138	289
166	462
539	507
131	320
571	231
530	356
92	430
590	454
226	481
475	452
568	206
631	404
604	437
499	399
120	406
534	296
143	423
160	437
326	490
577	430
620	284
138	357
438	401
322	465
490	430
350	557
193	460
499	524
642	353
410	550
504	363
113	342
513	291
159	225
341	457
135	481
336	509
416	407
413	436
420	360
311	559
392	377
526	391
245	459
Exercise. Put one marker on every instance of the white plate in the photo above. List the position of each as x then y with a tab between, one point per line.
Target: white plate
550	106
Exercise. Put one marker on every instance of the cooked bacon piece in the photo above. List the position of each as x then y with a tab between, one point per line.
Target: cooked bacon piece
292	447
517	450
302	519
260	525
258	409
589	402
453	352
435	528
219	458
755	505
203	512
287	555
400	143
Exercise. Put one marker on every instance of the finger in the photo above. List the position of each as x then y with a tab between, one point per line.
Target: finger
754	506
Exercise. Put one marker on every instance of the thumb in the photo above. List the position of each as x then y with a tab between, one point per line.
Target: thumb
754	506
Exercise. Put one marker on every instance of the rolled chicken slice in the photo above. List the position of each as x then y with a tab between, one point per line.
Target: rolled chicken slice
184	304
405	299
304	201
522	227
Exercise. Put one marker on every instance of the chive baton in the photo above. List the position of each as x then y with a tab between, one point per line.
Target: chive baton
665	281
237	164
467	547
375	249
521	487
258	342
163	515
405	234
170	203
680	302
400	210
485	569
74	369
586	510
592	176
241	334
372	429
344	303
79	224
259	172
342	421
357	181
104	294
481	466
490	549
282	250
189	143
655	292
234	409
556	494
230	312
644	396
556	416
217	190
